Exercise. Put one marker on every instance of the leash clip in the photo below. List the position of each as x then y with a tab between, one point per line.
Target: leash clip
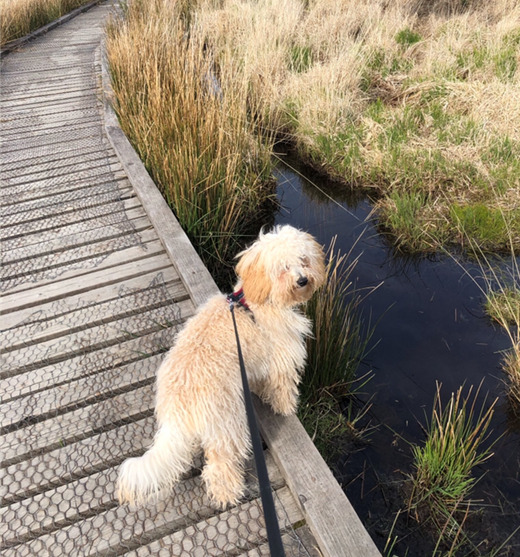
237	297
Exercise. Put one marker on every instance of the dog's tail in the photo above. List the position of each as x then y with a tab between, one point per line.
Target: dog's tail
140	479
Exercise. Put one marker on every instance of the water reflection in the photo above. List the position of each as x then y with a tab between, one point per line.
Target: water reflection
431	328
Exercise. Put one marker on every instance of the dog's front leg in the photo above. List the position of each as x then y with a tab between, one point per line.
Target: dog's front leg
280	388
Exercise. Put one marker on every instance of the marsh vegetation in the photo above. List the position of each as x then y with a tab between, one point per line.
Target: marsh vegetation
413	103
19	17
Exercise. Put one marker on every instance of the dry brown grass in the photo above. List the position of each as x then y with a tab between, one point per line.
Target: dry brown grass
191	129
402	97
20	17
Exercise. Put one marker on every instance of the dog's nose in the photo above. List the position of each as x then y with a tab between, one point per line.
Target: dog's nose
302	281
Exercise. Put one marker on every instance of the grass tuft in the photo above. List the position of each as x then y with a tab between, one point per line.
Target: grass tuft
328	407
340	336
444	465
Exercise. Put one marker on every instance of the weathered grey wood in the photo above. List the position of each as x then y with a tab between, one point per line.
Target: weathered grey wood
131	216
75	425
87	364
94	338
80	392
59	218
95	493
298	544
46	313
106	272
94	307
31	269
48	163
13	45
48	470
246	527
328	513
96	233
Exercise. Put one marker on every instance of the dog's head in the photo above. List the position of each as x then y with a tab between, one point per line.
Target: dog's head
283	267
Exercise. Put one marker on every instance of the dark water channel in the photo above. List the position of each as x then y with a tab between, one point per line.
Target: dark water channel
430	327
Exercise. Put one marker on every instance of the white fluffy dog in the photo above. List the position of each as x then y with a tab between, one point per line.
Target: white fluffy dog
199	400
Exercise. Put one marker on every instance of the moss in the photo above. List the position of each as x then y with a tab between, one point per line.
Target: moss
407	37
488	226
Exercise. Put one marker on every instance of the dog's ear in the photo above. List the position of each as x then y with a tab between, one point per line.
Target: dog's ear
252	273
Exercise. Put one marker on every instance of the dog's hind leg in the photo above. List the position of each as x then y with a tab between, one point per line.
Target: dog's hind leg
161	466
223	472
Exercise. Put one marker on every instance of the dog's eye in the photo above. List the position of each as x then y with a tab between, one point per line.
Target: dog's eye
305	261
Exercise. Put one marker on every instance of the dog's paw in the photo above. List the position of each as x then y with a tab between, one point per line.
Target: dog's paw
129	483
286	406
222	497
224	484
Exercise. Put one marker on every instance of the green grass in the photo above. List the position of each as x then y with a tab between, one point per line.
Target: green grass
339	341
301	58
504	305
511	365
444	466
340	336
407	37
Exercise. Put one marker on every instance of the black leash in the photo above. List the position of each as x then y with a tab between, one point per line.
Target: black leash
271	522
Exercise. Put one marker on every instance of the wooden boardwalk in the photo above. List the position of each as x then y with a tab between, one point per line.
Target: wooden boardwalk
96	278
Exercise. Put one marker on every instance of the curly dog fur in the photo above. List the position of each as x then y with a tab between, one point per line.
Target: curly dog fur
199	400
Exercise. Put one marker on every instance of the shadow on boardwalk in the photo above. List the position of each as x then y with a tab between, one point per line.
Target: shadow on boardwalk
96	278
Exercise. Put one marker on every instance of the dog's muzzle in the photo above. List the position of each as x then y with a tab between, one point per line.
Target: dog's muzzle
302	281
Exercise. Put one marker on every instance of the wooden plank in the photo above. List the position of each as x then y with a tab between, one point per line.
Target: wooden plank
98	232
299	543
53	111
91	339
12	45
25	520
75	460
52	136
122	527
14	90
39	209
74	108
336	526
138	253
29	131
88	254
29	322
84	209
50	162
19	82
234	530
79	170
78	424
68	396
115	220
49	100
22	157
83	365
18	121
160	289
107	272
